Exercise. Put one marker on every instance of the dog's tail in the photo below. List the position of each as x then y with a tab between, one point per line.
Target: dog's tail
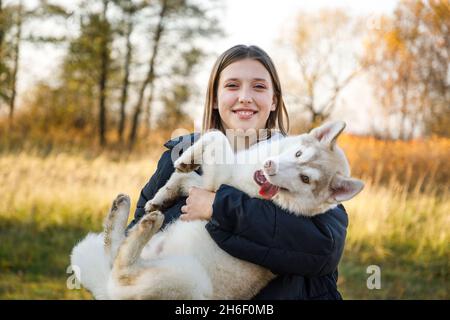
91	265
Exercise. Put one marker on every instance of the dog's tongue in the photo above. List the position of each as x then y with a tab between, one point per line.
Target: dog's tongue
268	190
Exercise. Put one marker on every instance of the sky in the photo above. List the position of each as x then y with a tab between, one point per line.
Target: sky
257	22
260	22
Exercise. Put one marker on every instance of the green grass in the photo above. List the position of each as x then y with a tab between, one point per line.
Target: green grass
401	277
34	260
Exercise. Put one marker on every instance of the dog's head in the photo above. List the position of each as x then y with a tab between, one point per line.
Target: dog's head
311	175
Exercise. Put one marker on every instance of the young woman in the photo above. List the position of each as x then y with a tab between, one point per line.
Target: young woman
244	96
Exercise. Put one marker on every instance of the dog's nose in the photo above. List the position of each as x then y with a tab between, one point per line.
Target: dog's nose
270	167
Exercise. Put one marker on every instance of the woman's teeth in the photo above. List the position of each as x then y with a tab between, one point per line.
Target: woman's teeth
245	114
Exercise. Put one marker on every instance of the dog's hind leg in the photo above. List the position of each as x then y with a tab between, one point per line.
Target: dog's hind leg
167	278
137	238
115	224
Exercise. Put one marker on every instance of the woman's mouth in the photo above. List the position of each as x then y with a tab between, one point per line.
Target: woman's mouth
245	114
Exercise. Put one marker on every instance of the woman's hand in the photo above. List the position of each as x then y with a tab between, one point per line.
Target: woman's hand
198	205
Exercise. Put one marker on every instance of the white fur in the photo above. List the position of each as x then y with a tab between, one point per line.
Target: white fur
89	256
182	261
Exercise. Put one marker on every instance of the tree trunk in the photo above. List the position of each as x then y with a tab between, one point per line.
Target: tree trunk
404	110
104	56
150	74
148	107
2	33
15	69
126	80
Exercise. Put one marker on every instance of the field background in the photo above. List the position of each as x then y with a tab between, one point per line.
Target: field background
91	90
400	221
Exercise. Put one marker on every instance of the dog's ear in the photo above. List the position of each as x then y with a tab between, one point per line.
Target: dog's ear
329	132
344	188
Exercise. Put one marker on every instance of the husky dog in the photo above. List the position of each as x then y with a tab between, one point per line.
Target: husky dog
305	174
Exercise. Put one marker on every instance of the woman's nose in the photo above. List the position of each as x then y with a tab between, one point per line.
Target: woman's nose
245	100
245	96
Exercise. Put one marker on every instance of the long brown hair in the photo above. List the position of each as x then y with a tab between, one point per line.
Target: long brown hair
211	118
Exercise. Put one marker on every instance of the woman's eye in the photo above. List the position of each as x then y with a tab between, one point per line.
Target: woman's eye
298	153
260	86
231	85
305	179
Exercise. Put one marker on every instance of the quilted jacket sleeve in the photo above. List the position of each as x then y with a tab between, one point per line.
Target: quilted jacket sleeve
258	231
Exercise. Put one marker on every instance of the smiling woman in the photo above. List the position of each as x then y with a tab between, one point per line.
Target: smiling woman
244	93
244	96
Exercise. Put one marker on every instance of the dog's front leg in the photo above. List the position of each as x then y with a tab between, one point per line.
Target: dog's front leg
177	185
208	148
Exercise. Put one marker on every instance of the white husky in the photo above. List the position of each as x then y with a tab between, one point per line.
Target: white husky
306	174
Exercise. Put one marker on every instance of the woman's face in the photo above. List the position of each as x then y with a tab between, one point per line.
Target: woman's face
245	95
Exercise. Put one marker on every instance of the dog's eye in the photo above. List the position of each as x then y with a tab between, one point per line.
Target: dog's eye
298	153
305	179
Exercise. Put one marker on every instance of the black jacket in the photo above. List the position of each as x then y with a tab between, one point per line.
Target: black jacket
303	252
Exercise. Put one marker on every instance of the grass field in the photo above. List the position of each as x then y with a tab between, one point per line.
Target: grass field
400	221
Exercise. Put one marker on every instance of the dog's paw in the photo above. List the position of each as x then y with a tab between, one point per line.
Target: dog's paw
151	206
151	221
186	168
120	200
185	164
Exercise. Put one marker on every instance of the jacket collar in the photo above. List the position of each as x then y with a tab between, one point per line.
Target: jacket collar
186	140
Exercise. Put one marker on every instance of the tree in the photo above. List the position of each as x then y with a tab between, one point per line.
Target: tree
409	53
326	64
129	10
178	23
178	90
15	67
6	24
88	65
104	57
13	17
159	30
99	75
2	31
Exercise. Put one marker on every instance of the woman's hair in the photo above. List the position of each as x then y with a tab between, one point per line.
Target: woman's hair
211	118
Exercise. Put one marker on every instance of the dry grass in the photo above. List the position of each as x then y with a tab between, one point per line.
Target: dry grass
422	163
